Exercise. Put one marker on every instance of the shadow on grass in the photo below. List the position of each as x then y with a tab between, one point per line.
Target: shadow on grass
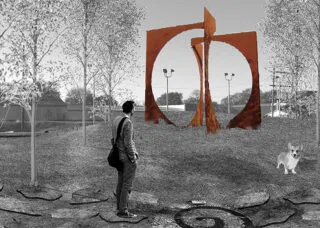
228	169
239	171
308	165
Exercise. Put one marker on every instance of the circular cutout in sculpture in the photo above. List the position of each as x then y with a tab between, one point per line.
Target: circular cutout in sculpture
246	43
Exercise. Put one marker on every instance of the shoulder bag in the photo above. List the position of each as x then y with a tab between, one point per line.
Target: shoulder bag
113	157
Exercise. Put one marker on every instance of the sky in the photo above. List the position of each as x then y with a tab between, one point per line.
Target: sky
232	16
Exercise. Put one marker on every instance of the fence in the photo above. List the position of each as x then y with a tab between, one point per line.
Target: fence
45	112
265	108
74	113
67	112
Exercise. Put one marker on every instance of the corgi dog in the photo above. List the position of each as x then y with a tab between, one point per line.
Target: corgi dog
290	159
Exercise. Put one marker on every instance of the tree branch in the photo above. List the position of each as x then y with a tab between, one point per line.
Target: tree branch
49	48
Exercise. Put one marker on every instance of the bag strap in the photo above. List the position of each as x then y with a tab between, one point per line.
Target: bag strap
119	127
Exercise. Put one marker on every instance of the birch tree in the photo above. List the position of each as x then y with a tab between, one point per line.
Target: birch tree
103	35
293	29
35	27
116	48
78	41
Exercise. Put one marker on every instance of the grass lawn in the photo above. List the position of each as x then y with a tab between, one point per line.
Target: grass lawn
176	164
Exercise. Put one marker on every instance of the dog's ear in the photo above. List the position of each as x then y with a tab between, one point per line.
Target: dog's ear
289	145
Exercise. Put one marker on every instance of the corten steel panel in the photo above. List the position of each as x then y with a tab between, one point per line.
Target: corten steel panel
196	40
209	25
246	43
156	39
209	28
198	117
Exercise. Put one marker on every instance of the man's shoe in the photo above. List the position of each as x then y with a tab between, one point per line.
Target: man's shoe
126	214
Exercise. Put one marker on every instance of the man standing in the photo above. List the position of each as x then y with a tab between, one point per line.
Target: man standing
128	155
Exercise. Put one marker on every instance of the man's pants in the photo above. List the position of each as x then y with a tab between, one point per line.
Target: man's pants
125	179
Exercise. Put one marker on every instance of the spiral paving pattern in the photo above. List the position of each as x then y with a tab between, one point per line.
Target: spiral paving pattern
211	217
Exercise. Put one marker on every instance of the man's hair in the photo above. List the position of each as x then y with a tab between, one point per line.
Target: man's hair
127	106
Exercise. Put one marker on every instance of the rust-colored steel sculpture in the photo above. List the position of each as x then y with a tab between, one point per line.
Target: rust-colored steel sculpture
156	39
246	43
198	117
209	29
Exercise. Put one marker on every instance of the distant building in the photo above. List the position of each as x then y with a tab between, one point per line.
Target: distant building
51	108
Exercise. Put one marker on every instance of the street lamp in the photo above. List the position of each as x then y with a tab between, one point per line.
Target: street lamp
228	78
165	72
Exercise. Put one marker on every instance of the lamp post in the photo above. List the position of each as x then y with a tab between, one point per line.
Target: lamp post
229	78
165	72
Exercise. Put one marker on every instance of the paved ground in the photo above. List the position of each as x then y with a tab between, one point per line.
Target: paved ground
92	208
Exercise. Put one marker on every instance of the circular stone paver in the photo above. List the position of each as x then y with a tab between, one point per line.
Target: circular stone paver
88	195
252	199
304	196
38	192
14	205
110	216
177	206
271	217
211	217
75	213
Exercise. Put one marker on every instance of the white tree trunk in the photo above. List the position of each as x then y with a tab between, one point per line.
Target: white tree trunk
318	114
106	115
317	105
84	108
33	144
110	97
34	181
85	59
109	113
